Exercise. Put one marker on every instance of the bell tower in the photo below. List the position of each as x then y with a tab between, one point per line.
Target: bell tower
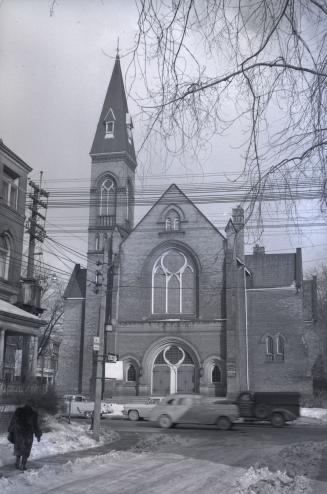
111	205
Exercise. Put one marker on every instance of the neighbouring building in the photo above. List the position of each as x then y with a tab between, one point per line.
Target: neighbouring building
19	329
187	310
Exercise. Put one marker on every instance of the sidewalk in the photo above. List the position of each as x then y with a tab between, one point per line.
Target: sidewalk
127	440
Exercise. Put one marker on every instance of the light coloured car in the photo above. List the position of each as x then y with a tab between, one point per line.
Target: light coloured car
81	406
194	409
140	411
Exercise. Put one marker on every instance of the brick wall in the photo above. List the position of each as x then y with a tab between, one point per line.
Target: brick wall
271	270
67	379
272	312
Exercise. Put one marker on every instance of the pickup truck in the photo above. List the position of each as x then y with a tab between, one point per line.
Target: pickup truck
275	407
81	406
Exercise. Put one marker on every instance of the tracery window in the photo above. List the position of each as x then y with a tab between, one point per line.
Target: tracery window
5	252
129	201
108	198
173	284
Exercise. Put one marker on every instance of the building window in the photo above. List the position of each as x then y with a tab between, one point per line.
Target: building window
168	224
108	198
172	220
173	284
110	126
5	252
216	374
97	242
280	348
129	202
10	185
269	348
131	373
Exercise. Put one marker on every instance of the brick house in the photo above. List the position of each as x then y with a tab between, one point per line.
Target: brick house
188	311
19	329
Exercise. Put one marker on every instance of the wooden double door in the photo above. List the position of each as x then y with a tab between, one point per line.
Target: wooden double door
166	380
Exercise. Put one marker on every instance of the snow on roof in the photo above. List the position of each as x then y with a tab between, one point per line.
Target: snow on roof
12	310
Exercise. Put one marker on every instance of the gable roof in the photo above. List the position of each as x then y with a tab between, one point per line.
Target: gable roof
171	188
76	287
115	102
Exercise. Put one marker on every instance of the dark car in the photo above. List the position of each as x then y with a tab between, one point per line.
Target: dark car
276	407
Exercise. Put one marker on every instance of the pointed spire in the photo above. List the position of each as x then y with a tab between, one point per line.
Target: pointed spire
113	134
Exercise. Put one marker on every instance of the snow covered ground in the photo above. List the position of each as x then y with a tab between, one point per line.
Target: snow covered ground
145	473
61	438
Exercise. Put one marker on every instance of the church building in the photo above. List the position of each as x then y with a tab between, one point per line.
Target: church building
182	305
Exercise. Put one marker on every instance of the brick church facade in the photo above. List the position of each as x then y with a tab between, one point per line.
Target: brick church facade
187	310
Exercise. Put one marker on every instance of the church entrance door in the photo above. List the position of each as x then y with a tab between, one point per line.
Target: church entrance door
161	380
173	372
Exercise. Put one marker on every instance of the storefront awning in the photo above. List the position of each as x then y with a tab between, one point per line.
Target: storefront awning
13	318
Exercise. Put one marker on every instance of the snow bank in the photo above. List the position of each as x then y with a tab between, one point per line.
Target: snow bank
61	438
157	441
263	481
315	413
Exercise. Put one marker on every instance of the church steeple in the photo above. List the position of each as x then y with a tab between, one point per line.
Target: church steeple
113	136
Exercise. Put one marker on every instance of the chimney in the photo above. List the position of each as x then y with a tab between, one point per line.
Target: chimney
258	249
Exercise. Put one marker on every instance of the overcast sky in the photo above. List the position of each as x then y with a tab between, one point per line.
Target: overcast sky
54	73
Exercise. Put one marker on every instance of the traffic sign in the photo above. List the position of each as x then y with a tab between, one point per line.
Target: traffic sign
96	343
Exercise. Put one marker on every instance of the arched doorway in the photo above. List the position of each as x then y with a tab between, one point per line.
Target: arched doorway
173	371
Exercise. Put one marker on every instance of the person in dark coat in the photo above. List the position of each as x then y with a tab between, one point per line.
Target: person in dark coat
23	426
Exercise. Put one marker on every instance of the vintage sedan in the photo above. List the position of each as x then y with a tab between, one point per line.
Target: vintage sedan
81	406
194	409
140	411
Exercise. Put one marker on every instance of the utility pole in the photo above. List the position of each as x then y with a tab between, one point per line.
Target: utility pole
99	376
35	229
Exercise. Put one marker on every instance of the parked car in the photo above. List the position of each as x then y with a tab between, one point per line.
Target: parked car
81	406
140	411
275	407
194	409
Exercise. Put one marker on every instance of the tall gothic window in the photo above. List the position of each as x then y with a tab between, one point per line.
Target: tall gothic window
131	373
280	347
269	348
108	198
5	251
215	374
129	201
173	284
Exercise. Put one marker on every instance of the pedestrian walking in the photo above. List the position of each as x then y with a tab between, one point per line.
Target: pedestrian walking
23	426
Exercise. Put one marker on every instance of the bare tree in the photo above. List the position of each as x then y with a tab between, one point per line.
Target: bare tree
257	64
53	303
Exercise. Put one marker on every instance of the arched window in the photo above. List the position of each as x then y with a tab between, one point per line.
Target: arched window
215	374
269	348
97	242
173	284
131	373
280	347
5	252
168	224
172	220
108	198
129	202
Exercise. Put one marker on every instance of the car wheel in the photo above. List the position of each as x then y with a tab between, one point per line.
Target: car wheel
277	420
165	421
224	423
133	415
